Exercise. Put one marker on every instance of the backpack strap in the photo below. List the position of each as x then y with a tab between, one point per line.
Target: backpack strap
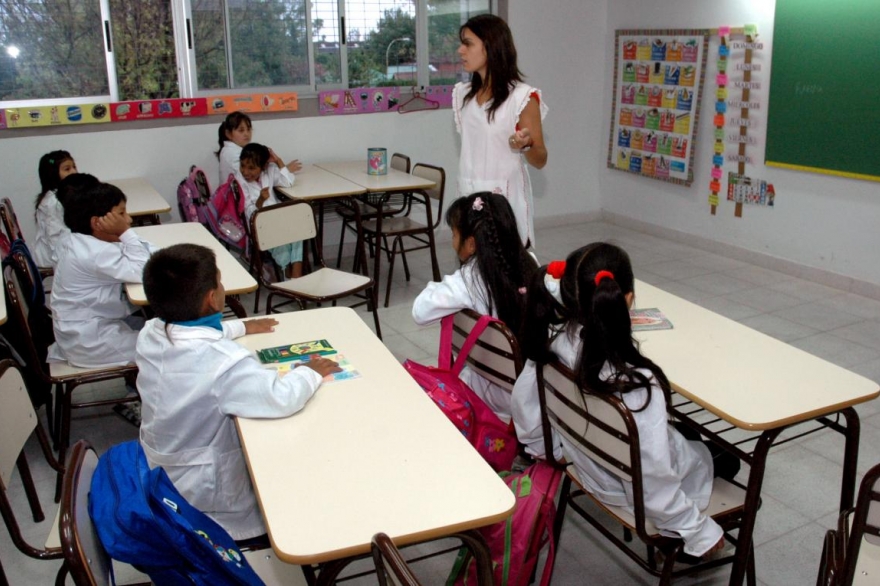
446	329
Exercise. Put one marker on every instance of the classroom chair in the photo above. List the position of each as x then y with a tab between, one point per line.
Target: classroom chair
391	568
392	205
13	229
291	222
18	422
396	228
87	559
603	429
496	356
64	377
851	555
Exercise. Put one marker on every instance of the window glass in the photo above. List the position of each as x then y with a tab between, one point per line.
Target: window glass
325	40
146	67
51	50
445	17
381	42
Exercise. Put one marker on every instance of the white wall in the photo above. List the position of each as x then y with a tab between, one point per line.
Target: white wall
819	221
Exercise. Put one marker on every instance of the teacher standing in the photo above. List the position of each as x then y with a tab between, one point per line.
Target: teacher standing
499	119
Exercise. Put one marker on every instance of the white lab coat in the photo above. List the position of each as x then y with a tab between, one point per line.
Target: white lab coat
463	289
229	160
51	229
677	474
193	380
89	306
272	177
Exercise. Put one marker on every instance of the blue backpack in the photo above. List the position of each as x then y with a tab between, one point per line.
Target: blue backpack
142	520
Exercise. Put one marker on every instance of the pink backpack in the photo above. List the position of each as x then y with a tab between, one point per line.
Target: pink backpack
227	214
516	543
193	195
494	440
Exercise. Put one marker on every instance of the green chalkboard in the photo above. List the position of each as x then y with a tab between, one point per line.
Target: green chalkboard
824	111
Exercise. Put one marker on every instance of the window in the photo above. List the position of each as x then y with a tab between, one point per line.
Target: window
71	51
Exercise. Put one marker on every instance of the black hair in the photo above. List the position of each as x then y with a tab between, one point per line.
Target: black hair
232	121
74	184
80	207
176	280
602	312
503	262
48	170
501	67
256	154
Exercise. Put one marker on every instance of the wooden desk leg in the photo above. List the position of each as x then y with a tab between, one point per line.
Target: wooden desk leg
753	499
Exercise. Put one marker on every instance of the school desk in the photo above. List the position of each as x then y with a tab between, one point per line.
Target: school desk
234	276
365	455
748	381
144	203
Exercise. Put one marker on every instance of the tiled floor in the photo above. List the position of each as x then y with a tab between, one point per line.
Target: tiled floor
801	488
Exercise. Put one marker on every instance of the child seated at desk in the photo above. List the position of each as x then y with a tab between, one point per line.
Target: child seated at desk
581	317
260	171
193	379
92	318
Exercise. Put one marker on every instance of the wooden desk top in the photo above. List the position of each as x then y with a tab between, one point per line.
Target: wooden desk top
364	455
356	172
143	199
236	279
313	183
748	378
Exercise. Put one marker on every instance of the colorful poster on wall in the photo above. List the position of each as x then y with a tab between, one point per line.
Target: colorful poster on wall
658	82
57	115
152	109
364	100
2	118
275	102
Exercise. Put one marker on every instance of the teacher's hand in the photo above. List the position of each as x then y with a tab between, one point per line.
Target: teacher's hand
521	139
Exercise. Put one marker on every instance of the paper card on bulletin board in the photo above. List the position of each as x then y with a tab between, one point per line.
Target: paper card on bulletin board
658	83
151	109
365	100
275	102
2	118
57	115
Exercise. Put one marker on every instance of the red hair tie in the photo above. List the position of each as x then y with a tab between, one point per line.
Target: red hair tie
556	269
602	275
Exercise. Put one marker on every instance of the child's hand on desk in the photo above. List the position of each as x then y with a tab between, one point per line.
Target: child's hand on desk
322	366
260	326
294	166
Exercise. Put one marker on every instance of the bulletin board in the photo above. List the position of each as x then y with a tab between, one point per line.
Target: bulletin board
658	83
823	112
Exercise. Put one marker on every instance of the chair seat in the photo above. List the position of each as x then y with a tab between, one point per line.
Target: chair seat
726	498
324	283
868	564
395	225
65	370
273	571
53	540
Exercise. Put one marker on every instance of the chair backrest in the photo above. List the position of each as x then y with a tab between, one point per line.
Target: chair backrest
391	568
438	176
17	419
862	557
400	162
599	426
86	558
496	355
18	311
10	220
282	224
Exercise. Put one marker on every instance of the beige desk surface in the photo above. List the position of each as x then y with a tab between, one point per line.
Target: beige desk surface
235	277
364	455
313	183
748	378
142	198
356	172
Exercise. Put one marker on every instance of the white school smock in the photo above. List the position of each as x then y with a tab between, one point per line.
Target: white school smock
463	289
677	474
89	305
272	177
51	229
229	160
487	162
193	380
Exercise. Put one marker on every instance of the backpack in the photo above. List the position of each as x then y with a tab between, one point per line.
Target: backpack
142	520
193	195
515	543
227	211
494	440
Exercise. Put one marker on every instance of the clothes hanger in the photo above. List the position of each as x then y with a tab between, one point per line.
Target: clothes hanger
417	103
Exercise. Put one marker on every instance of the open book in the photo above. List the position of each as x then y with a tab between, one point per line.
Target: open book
644	320
287	357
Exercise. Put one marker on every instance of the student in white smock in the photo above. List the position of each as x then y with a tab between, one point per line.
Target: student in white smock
53	168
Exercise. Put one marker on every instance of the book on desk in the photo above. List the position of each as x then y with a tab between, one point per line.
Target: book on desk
646	320
289	356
